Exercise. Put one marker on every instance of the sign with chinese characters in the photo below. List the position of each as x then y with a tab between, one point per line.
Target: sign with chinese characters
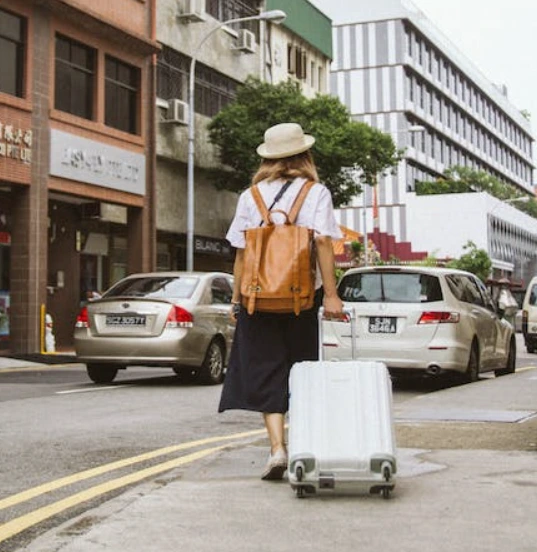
15	143
84	160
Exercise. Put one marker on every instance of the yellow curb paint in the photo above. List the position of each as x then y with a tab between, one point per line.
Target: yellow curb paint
105	468
17	525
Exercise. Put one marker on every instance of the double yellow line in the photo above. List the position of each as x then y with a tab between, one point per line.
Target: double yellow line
17	525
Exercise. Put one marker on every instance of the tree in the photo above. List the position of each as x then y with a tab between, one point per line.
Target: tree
340	142
475	260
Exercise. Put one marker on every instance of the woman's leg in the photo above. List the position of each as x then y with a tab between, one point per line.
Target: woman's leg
277	462
275	424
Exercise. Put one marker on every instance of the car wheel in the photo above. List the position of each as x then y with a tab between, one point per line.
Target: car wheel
101	373
212	369
530	348
472	370
511	361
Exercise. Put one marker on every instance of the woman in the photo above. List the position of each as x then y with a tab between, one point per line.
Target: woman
266	345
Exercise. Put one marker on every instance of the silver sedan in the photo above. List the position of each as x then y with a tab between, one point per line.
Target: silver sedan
176	319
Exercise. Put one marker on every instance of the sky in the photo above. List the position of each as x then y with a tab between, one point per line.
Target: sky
498	37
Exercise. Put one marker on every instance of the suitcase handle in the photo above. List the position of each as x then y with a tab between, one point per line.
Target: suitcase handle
349	316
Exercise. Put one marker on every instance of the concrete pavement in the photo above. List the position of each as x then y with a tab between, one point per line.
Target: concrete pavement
444	500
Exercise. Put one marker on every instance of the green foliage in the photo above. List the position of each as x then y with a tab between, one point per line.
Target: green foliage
464	179
475	260
357	247
239	128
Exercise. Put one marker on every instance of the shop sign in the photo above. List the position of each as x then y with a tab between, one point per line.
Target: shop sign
212	246
15	143
84	160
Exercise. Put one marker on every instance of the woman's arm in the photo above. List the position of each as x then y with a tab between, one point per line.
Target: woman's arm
237	273
332	304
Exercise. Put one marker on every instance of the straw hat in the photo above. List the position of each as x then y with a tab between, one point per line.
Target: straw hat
284	140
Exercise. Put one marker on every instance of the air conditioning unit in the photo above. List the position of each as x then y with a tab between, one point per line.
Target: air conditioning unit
177	112
245	41
191	11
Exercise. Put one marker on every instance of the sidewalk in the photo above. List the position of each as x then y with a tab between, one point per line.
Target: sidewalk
445	500
36	359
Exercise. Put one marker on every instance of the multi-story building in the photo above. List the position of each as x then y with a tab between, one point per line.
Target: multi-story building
93	140
396	71
76	131
299	49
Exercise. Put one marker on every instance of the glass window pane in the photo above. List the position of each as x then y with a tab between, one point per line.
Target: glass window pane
10	26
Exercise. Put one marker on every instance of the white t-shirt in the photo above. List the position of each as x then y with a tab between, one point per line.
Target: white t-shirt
317	211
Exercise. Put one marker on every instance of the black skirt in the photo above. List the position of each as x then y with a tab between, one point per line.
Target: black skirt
265	347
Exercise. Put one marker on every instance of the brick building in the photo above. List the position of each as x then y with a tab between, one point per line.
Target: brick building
76	157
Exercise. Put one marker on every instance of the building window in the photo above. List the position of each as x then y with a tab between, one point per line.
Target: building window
223	10
122	86
213	91
173	70
12	35
74	77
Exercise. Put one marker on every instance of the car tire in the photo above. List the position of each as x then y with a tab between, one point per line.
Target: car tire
212	369
530	348
511	361
101	373
472	370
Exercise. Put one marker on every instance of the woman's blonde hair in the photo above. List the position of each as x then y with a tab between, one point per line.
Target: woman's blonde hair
286	168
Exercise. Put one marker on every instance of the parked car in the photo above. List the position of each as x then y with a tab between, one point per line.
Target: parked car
529	317
423	320
518	294
176	319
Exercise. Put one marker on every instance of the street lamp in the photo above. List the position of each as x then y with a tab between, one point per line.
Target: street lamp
276	16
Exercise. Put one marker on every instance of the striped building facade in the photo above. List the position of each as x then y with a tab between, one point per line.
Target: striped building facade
394	70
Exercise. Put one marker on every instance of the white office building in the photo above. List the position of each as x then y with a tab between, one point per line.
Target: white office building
396	71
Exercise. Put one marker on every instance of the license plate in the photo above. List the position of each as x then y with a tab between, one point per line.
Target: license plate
382	324
125	320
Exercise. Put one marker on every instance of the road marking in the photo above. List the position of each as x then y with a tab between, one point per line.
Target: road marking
17	525
105	468
90	389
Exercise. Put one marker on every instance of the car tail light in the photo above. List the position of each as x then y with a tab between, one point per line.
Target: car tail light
439	317
179	318
82	320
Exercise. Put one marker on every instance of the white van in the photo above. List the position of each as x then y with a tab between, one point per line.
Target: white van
529	317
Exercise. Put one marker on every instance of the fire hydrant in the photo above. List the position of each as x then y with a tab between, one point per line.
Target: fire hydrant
50	340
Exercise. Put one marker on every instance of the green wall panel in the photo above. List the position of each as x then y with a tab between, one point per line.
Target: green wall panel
306	21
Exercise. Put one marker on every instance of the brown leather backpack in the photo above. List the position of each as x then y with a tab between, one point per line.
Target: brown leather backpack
279	261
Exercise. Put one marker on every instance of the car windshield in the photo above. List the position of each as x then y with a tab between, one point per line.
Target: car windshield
390	287
165	287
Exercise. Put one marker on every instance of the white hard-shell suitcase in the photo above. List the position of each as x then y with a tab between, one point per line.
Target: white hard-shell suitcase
341	429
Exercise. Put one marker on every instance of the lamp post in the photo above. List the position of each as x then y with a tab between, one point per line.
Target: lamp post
276	16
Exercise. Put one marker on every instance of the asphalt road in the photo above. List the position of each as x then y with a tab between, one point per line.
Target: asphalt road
56	424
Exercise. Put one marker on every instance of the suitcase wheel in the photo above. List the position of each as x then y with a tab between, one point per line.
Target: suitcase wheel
387	474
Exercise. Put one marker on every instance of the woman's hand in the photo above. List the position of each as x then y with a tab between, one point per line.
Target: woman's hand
333	307
234	312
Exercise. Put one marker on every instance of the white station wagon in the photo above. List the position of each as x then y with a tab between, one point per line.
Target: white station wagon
423	320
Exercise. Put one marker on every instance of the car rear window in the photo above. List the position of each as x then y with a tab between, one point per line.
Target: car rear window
165	287
390	287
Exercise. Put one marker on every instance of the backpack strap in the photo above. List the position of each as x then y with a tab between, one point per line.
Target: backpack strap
299	200
261	207
254	285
